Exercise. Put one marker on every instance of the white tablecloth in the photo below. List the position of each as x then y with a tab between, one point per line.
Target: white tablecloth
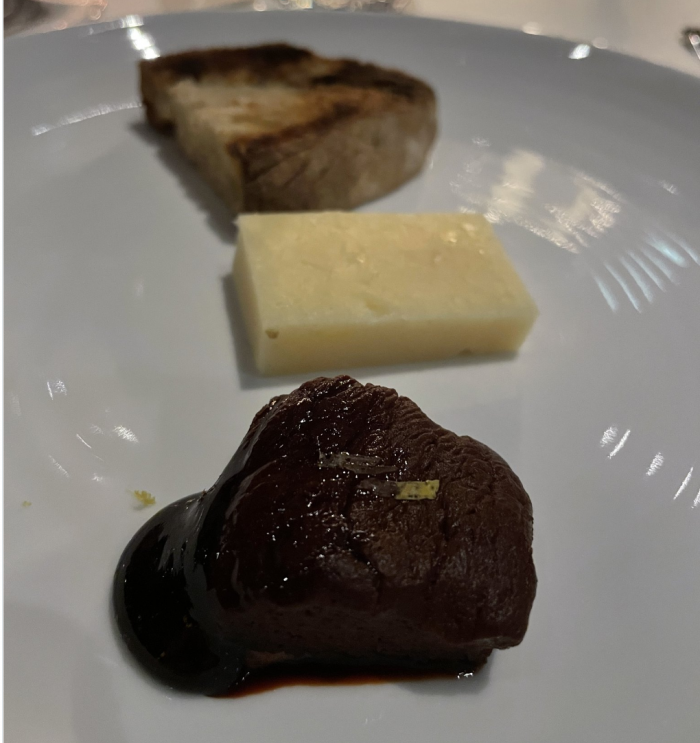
649	29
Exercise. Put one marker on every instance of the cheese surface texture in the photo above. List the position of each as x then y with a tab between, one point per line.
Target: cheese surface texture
335	290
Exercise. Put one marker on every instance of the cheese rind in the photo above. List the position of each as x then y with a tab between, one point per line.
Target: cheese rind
335	290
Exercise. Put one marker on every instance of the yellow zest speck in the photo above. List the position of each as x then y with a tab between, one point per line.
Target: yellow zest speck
143	497
418	490
26	503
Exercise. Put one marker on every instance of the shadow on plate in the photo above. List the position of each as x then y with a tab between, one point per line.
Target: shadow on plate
218	215
250	378
451	687
58	684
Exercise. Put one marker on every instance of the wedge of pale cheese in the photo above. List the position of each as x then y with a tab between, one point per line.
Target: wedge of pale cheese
335	290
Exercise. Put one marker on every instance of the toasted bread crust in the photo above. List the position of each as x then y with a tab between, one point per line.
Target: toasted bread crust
364	130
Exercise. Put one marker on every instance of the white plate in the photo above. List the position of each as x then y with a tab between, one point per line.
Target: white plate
122	373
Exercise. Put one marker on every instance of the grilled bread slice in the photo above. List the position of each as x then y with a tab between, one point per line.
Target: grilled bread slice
278	128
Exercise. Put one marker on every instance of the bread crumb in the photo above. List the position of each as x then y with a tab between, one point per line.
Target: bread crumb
144	498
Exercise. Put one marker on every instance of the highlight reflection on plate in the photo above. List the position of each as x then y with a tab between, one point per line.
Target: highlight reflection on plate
126	371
